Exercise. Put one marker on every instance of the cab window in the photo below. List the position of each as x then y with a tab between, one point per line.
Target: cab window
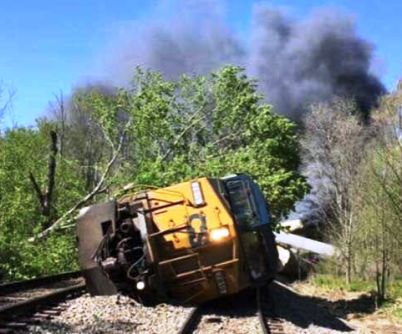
241	202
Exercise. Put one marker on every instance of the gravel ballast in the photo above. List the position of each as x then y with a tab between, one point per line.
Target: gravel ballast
298	314
113	314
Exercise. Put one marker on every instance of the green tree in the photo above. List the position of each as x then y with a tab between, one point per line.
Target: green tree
211	125
333	145
23	151
205	125
380	196
154	132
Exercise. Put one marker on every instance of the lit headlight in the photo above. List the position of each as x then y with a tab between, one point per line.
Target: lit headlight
140	285
219	233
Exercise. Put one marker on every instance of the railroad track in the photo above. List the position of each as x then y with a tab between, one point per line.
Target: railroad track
35	302
268	322
191	321
27	302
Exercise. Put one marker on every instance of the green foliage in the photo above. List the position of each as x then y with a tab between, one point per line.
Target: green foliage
365	216
172	131
211	126
332	282
379	197
335	283
21	259
396	311
22	151
207	125
395	288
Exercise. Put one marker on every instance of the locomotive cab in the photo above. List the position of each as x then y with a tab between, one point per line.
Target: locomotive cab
253	222
185	243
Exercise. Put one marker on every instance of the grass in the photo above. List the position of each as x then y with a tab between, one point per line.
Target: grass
395	289
393	304
397	312
332	282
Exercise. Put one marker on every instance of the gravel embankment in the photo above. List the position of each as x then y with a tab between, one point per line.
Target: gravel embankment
234	315
112	314
299	315
234	324
303	314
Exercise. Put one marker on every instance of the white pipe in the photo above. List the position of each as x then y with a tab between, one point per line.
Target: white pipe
306	244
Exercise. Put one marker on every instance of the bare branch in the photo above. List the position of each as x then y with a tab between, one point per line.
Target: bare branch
96	190
7	103
37	189
60	112
45	198
51	173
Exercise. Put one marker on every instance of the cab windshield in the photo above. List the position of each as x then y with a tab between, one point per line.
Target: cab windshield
247	201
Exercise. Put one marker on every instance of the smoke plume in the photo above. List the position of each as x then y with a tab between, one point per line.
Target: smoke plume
296	62
303	62
192	41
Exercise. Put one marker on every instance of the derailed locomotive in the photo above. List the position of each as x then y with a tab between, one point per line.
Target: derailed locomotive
186	243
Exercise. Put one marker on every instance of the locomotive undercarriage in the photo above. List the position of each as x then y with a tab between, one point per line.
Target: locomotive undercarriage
119	233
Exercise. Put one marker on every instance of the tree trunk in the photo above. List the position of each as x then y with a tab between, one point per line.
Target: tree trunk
45	198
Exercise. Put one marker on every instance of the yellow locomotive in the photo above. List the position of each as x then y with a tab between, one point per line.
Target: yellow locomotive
186	243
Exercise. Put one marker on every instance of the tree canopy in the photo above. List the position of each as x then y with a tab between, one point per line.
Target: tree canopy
153	132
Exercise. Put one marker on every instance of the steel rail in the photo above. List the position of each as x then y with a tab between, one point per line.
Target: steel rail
32	304
260	312
7	288
269	323
191	321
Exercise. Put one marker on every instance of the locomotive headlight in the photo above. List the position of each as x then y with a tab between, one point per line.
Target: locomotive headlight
219	233
140	285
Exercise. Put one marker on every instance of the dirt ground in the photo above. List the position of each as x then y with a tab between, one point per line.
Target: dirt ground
357	308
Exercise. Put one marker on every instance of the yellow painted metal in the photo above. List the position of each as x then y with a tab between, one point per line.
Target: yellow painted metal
190	268
167	216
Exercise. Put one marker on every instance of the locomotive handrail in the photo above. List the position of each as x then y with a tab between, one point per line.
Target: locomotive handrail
207	268
184	257
152	209
168	231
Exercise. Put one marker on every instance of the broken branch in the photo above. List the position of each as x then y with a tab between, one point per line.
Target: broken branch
96	190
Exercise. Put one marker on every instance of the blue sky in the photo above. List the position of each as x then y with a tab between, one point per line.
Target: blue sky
48	46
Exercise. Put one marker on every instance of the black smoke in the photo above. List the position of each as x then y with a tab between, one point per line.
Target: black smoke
296	61
300	62
193	40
